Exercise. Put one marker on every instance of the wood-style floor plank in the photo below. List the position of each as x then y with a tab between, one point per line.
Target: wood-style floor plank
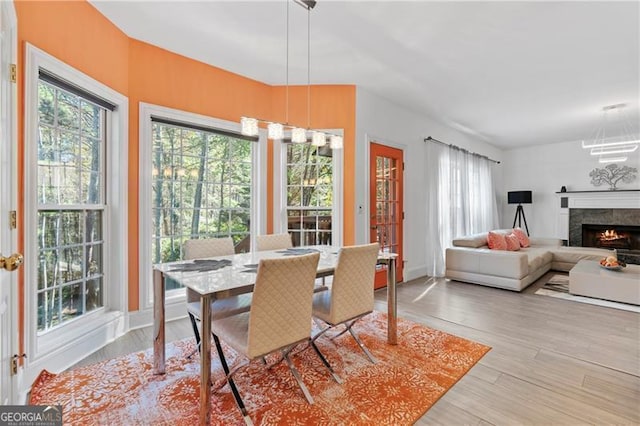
552	361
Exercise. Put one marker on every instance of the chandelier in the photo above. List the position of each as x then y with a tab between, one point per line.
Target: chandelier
614	139
249	125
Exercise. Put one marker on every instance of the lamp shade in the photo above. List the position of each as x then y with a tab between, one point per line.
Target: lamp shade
519	197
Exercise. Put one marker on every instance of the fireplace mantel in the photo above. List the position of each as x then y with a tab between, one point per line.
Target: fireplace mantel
619	199
629	199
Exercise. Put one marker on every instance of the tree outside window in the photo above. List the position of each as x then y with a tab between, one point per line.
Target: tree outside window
70	178
309	194
201	189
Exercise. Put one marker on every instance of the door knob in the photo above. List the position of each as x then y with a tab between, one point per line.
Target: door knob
12	262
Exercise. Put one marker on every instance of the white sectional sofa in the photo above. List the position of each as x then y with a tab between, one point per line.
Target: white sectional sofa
470	260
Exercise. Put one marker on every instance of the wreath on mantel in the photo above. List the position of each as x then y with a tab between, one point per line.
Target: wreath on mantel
612	174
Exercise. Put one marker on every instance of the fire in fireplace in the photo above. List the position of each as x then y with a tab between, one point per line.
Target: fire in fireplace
611	236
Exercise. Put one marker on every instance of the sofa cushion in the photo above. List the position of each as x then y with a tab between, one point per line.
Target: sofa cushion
537	257
477	240
522	237
473	241
496	241
512	242
576	254
546	242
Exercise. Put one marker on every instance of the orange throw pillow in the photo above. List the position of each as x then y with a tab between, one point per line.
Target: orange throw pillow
512	242
523	238
496	241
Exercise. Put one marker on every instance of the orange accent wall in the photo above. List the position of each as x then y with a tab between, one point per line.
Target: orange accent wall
160	77
332	107
76	33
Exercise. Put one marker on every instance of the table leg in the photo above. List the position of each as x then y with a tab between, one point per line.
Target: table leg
392	304
205	359
158	322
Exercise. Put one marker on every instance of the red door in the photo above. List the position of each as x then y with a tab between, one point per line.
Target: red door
386	209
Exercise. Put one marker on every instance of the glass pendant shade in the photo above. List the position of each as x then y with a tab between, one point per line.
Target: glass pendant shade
318	139
298	135
612	159
275	131
249	126
336	142
620	150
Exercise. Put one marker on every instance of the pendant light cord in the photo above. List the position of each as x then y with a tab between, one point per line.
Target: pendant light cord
308	67
286	113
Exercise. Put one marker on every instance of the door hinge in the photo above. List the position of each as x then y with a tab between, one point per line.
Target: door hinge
403	166
13	221
13	73
402	215
14	363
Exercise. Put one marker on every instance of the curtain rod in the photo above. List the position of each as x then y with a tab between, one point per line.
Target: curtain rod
429	138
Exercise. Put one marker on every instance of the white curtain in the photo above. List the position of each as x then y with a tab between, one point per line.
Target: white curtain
461	200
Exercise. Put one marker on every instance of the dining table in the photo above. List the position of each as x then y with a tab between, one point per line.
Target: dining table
226	276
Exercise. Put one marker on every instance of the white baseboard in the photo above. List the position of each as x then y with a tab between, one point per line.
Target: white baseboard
144	318
64	356
415	272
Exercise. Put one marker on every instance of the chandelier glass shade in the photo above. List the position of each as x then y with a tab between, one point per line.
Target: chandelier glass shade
615	136
276	131
298	135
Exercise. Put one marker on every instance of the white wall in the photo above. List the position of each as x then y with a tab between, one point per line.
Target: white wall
389	124
545	169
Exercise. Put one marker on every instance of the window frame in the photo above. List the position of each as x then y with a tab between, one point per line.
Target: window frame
52	348
81	208
280	189
174	299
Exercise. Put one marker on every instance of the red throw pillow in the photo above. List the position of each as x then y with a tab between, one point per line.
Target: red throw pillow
523	238
512	242
496	241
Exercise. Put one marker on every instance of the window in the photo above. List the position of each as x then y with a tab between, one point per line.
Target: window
201	188
311	194
70	177
199	178
75	213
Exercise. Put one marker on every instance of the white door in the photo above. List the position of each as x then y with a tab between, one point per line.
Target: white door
8	140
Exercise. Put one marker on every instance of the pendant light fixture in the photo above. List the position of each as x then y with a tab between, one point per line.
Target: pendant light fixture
249	125
613	136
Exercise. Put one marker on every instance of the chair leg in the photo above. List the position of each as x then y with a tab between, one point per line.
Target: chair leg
341	333
362	346
298	378
326	363
196	333
193	352
232	385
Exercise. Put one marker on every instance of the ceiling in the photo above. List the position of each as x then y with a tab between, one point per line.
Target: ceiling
510	73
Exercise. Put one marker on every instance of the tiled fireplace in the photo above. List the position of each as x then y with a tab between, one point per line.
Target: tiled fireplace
616	228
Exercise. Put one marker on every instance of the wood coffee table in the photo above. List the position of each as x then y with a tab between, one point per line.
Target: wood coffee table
587	278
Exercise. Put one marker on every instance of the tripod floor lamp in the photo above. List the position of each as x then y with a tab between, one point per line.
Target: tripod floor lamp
519	198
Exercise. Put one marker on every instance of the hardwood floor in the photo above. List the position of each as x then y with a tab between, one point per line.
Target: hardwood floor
552	361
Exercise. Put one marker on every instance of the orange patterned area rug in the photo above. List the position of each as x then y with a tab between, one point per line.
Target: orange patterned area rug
406	381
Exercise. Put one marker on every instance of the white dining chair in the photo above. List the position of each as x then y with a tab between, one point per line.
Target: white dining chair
273	242
350	297
279	318
204	248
